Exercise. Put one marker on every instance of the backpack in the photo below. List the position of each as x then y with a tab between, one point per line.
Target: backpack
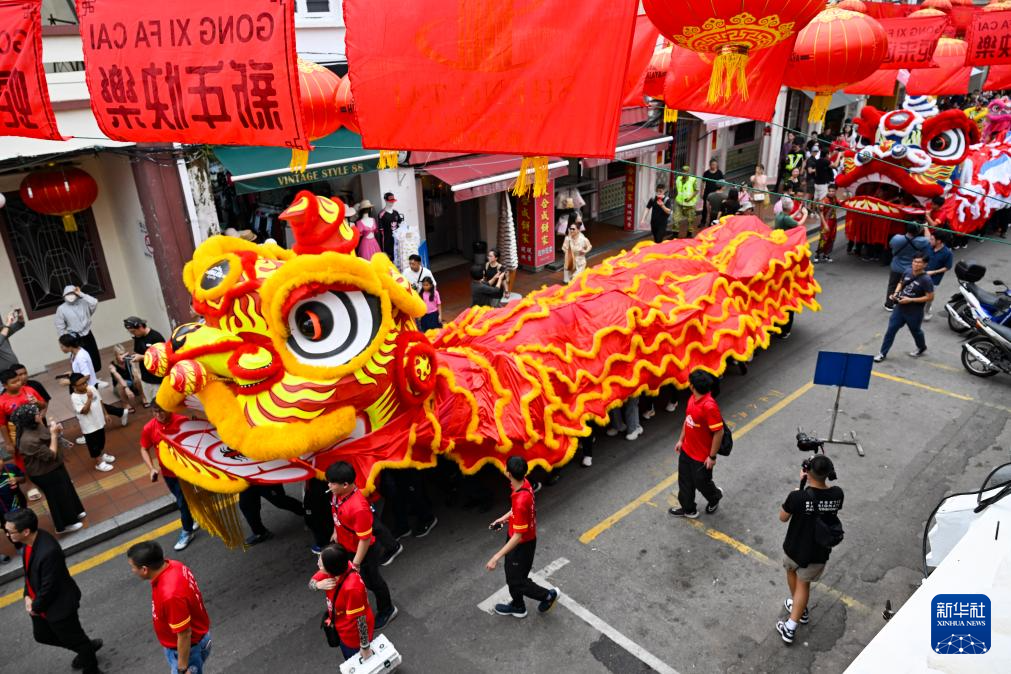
727	443
828	530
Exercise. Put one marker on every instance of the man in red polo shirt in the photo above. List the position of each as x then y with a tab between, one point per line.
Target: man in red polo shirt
697	448
163	423
352	518
520	546
177	608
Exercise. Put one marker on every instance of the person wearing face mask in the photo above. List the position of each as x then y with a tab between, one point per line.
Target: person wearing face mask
74	316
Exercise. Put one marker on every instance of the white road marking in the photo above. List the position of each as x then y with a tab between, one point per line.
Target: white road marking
540	577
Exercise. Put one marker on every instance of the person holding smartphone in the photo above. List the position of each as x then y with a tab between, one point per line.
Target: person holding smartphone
13	322
153	433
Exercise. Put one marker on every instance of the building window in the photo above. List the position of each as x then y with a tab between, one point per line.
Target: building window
744	133
45	258
317	6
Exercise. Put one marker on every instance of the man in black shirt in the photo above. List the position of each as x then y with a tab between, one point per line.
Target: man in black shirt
144	337
659	209
712	180
814	506
912	294
823	174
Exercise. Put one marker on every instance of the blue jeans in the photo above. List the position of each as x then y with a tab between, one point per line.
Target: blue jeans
900	317
348	651
184	511
627	415
199	653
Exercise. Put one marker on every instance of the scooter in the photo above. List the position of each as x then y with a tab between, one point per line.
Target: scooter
995	306
989	352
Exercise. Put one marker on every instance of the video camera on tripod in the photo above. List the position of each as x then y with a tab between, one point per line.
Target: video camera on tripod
809	443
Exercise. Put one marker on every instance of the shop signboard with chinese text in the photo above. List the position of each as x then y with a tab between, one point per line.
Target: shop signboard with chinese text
535	233
630	173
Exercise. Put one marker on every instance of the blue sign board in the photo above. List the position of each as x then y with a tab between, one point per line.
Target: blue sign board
851	370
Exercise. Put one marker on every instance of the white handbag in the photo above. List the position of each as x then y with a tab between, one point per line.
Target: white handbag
385	658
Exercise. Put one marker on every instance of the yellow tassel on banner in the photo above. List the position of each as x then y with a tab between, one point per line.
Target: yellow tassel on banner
388	159
522	185
729	65
216	513
670	115
540	176
819	108
69	223
299	161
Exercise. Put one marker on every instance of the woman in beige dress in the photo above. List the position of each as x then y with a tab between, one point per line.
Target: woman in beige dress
575	247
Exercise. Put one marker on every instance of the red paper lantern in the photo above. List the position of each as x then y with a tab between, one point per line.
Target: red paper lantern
319	106
60	191
853	6
346	105
656	76
730	30
836	49
943	5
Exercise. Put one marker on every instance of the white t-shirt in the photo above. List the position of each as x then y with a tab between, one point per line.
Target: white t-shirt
414	277
95	418
82	363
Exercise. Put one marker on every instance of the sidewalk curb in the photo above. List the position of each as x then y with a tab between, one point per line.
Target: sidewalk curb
91	536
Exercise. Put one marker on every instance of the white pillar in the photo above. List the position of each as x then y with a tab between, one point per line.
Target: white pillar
772	149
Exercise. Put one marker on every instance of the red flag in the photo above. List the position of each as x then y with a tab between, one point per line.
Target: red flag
190	71
643	45
496	76
998	78
912	40
25	109
989	39
951	78
881	83
687	84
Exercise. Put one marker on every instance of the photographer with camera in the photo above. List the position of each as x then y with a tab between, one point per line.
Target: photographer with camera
812	511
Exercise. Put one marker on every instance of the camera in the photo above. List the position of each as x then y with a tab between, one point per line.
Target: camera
809	443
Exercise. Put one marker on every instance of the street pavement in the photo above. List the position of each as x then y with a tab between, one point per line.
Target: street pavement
638	587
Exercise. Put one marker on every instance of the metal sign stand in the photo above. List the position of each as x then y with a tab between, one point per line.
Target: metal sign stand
851	370
831	429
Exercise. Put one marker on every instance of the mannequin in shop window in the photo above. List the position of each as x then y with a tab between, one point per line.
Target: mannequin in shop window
389	222
367	226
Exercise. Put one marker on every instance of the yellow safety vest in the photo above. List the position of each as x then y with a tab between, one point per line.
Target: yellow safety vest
687	190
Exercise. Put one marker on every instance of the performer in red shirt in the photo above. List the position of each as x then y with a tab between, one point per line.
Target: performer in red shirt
14	394
177	608
352	518
347	601
829	215
153	433
520	546
700	439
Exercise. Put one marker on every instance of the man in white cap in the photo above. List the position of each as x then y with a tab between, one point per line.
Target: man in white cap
74	316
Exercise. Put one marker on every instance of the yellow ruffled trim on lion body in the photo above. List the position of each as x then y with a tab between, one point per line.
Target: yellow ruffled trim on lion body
226	484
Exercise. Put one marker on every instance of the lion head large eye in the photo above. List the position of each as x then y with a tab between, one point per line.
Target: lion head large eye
330	329
947	145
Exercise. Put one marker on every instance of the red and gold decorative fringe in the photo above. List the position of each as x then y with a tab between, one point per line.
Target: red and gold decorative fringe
539	166
819	107
670	115
299	161
388	159
218	514
729	67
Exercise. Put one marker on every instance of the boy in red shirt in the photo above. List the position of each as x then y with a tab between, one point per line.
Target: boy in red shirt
519	549
352	518
180	619
153	433
700	439
14	394
347	601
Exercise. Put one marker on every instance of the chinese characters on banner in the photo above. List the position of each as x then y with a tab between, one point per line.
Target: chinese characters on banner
25	109
911	41
190	71
536	237
630	171
989	39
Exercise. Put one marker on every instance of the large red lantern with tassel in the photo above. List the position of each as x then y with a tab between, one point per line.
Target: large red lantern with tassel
319	106
656	76
60	191
730	30
346	105
838	48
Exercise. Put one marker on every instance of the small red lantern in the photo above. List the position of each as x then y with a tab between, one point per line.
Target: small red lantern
59	191
319	108
836	49
346	105
853	5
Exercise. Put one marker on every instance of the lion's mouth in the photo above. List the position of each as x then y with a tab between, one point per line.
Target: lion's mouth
880	195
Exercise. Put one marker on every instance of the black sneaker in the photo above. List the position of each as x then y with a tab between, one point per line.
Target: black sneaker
714	505
424	529
390	556
256	539
785	632
76	662
509	609
680	512
384	619
788	603
546	605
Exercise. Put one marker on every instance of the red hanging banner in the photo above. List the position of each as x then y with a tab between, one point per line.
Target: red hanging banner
881	83
687	84
527	77
998	78
536	236
643	45
189	71
888	10
912	40
25	109
952	76
989	39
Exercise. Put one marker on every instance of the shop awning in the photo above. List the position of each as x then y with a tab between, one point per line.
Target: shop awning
255	169
716	122
632	142
483	174
839	99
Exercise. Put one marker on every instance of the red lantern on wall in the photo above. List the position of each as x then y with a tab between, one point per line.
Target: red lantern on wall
836	49
346	105
319	106
729	30
60	191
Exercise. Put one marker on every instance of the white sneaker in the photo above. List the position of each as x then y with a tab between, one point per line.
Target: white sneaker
72	527
81	515
108	458
671	406
587	461
927	316
634	434
612	431
649	414
123	420
81	441
104	467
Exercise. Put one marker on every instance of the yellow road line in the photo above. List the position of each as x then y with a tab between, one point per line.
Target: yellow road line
945	392
626	510
101	558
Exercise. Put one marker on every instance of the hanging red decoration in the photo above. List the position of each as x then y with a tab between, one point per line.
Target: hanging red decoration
643	45
880	83
730	30
656	75
952	76
943	5
60	191
320	116
836	49
853	5
346	105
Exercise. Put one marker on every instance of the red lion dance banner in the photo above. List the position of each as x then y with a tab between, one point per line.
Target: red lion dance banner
25	109
312	356
189	71
911	41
